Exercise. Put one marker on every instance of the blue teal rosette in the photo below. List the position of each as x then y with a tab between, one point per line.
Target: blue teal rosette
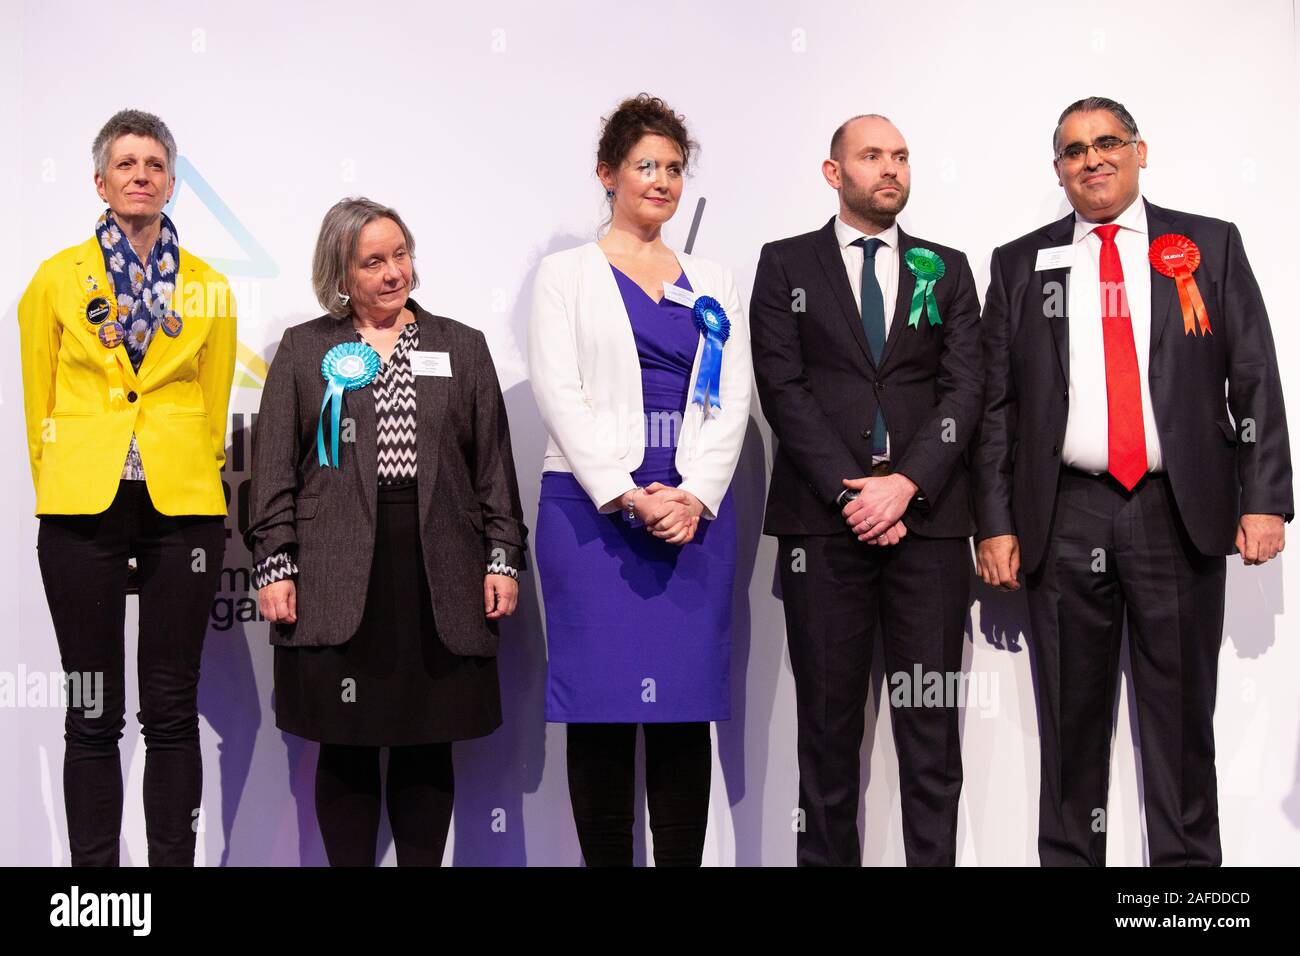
346	367
711	319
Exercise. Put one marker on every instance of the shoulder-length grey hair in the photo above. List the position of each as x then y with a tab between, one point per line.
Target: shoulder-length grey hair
336	250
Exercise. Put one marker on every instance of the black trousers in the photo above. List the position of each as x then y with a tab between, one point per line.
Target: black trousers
836	588
1113	553
420	792
602	771
83	561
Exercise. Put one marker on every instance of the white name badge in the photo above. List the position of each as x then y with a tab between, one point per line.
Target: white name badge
431	363
675	293
1057	257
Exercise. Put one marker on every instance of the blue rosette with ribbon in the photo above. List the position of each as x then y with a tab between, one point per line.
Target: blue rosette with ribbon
346	368
711	319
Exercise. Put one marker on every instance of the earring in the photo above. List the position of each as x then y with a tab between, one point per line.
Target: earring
609	195
344	297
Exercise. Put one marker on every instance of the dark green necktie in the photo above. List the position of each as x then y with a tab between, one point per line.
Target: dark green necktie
873	323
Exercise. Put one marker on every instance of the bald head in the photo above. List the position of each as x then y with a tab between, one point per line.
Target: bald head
856	124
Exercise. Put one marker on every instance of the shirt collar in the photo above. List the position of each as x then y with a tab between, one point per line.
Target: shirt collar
846	235
1134	218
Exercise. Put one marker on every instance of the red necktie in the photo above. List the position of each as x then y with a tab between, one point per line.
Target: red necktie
1126	436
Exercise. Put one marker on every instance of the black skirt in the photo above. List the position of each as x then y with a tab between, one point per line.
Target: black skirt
394	683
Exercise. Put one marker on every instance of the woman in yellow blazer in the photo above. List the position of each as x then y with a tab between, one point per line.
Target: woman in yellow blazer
128	351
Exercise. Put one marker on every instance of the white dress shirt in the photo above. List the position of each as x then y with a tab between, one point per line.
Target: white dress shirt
1087	428
886	275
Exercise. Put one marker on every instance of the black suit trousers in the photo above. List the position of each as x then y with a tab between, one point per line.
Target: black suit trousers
1113	553
836	589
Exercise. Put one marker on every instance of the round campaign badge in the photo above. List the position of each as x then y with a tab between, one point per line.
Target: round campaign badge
112	334
351	367
98	309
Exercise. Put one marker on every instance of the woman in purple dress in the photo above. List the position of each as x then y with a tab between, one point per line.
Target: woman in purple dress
640	364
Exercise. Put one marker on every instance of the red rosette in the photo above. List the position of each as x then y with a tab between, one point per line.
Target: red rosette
1177	257
1172	253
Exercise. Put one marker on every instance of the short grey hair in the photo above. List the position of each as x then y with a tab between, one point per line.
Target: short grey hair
132	123
336	249
837	138
1092	104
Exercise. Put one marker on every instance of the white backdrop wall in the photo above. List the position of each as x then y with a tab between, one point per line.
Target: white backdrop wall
479	121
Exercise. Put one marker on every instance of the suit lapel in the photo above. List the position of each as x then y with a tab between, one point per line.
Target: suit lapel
828	253
1164	311
431	397
89	265
1162	288
905	282
1056	282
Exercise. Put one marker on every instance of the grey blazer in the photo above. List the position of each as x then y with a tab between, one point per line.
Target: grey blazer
468	494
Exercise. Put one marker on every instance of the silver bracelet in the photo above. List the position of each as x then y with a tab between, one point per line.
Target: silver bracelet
500	567
629	515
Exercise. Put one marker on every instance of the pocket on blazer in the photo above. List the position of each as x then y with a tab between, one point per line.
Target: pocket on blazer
475	516
304	507
1229	433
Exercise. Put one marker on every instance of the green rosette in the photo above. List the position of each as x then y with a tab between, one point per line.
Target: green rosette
928	268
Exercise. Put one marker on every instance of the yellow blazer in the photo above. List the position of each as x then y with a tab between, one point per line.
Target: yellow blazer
83	401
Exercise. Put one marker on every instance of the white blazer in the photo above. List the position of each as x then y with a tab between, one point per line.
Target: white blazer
587	380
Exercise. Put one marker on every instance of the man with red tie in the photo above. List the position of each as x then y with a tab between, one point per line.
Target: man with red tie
1111	479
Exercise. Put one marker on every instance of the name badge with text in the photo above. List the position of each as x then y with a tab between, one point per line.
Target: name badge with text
431	363
1057	257
675	293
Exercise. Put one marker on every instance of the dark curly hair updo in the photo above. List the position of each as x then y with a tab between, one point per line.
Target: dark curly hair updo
636	117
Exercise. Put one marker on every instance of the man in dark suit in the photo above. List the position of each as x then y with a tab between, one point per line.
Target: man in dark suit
873	397
1109	474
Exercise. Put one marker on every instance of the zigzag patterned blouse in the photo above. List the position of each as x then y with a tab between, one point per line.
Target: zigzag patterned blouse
394	389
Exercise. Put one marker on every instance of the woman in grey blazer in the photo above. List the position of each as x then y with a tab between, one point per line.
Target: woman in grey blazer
387	536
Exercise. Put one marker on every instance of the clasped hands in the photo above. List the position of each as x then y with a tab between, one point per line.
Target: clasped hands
670	514
876	514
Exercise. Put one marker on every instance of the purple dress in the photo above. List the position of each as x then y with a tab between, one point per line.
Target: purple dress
638	630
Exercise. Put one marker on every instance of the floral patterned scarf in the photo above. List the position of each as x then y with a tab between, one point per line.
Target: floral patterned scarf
144	290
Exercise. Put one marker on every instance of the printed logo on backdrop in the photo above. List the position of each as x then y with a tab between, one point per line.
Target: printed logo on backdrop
234	602
257	262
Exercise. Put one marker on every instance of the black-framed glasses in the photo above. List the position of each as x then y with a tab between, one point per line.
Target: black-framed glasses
1106	146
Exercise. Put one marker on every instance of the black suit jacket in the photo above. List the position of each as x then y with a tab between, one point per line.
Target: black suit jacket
467	491
819	387
1217	471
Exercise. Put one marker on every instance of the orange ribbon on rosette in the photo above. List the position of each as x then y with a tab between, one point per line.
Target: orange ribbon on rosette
1177	257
